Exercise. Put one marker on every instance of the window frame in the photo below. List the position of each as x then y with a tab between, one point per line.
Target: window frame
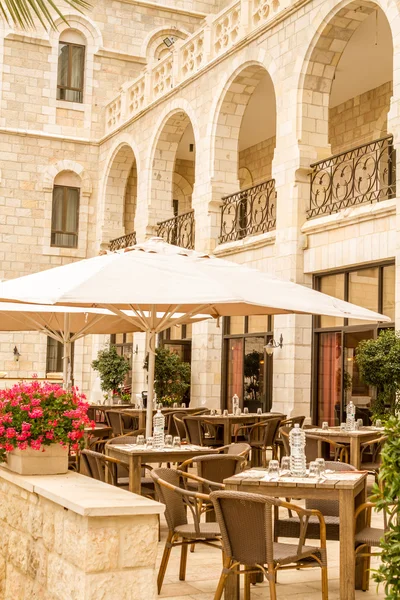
68	87
342	329
64	213
60	348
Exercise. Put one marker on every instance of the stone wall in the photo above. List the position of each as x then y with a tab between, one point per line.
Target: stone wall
50	552
360	119
257	160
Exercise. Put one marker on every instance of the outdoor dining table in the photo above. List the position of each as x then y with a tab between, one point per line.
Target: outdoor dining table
228	420
353	438
133	456
99	430
140	413
349	488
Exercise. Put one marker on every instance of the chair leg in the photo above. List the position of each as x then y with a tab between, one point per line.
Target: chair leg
271	581
164	561
222	579
366	568
264	457
182	566
324	583
192	547
247	586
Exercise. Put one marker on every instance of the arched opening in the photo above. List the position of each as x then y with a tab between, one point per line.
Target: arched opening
71	66
173	181
346	99
244	151
120	199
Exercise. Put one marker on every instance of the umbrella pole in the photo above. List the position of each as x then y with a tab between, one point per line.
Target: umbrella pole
150	387
67	346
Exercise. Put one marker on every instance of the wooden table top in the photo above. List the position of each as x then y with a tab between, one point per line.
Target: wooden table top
337	432
132	449
231	417
332	480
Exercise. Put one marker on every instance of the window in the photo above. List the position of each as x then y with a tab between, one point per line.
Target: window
337	379
123	343
178	339
247	369
65	217
71	67
54	356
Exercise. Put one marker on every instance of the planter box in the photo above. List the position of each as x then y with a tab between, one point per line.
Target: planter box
53	461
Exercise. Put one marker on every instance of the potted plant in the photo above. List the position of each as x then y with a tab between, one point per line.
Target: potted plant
172	376
38	423
112	368
379	364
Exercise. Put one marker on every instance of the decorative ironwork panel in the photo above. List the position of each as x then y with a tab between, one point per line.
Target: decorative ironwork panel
248	212
124	241
365	174
179	230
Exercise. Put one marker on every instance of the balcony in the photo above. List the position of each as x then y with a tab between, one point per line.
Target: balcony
178	230
248	212
124	241
218	36
365	174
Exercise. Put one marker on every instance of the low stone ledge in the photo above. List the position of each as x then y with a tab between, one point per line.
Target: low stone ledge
69	537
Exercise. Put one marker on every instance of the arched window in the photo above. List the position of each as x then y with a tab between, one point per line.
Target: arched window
71	66
65	210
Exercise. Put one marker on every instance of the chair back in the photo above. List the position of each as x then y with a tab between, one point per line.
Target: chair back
245	521
114	420
329	508
270	430
217	468
96	414
194	431
129	422
165	480
284	437
180	427
238	449
125	439
171	425
96	465
290	423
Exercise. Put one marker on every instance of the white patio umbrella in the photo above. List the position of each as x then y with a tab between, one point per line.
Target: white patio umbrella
155	277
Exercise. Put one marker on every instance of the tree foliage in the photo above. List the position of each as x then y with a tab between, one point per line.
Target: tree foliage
172	376
379	365
112	369
386	496
23	13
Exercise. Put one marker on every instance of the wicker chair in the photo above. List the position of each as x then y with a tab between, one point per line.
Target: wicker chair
237	449
98	415
371	454
290	526
215	468
246	526
335	450
170	423
97	465
178	501
368	537
288	424
180	427
261	437
195	433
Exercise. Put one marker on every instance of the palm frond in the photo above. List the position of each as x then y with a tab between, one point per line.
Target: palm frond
23	12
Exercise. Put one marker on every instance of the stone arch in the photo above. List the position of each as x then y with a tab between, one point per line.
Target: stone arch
176	121
51	172
120	192
228	121
182	191
318	76
155	38
81	23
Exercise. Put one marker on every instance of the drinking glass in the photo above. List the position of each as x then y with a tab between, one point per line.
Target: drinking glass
183	405
320	462
285	465
176	442
313	469
140	440
245	410
175	405
356	426
149	442
259	411
212	412
378	423
360	423
238	411
168	441
226	412
219	412
273	468
325	425
342	426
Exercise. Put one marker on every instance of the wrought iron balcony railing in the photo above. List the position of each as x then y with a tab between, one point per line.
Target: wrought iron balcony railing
365	174
124	241
178	230
248	212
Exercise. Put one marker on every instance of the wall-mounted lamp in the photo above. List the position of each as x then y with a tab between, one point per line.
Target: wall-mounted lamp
130	354
16	354
169	41
272	344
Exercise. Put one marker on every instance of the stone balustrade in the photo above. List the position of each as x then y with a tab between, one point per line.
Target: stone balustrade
219	34
70	537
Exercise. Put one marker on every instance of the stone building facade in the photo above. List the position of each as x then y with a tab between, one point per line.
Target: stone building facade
261	130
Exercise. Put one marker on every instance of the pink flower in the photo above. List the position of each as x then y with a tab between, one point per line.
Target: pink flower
36	413
50	435
26	426
22	445
11	433
36	444
9	447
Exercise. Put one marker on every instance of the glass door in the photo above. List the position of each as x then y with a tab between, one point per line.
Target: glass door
353	388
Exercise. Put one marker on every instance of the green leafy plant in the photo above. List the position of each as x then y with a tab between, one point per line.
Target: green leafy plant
172	376
379	365
23	12
386	495
112	369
